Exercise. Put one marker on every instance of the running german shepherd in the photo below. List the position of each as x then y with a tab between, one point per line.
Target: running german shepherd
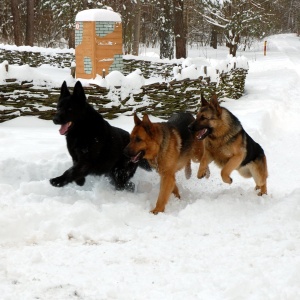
228	145
95	146
168	147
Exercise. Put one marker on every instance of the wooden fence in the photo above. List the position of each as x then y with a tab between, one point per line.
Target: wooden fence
159	99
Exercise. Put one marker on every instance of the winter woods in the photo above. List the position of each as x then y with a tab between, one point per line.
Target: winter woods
169	24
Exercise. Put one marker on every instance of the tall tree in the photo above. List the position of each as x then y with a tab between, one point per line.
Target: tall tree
30	23
179	29
64	13
16	22
5	23
161	22
137	28
166	36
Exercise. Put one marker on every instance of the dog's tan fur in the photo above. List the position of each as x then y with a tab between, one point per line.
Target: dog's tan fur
162	147
228	145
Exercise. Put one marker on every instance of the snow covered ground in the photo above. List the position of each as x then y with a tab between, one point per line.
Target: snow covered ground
217	242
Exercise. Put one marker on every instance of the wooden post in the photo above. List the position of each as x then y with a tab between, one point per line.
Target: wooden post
6	66
265	48
73	71
103	73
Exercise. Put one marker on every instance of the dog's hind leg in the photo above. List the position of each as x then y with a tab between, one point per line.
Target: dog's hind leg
245	171
259	171
262	188
121	174
188	170
261	184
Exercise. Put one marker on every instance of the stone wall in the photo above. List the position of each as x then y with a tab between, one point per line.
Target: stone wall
159	99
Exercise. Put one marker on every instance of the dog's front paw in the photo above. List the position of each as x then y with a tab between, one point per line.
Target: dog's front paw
155	211
203	173
130	186
80	181
262	190
58	181
227	179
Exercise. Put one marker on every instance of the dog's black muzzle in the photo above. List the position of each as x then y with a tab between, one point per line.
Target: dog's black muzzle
58	118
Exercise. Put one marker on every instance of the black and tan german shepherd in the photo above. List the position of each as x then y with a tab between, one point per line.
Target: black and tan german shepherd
228	145
168	147
95	146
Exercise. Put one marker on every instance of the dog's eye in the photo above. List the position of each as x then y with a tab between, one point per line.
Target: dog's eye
138	139
70	109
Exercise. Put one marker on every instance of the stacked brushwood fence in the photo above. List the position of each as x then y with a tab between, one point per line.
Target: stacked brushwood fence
36	59
159	99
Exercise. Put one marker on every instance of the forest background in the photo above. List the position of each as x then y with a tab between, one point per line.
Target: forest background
171	25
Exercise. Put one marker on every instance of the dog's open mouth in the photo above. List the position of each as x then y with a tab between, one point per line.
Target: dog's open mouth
65	128
203	133
137	157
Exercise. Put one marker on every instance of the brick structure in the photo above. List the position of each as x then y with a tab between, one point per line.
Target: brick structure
98	43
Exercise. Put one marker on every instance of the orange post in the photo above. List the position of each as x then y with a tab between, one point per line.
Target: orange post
98	43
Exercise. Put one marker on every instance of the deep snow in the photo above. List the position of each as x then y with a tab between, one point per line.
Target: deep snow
217	242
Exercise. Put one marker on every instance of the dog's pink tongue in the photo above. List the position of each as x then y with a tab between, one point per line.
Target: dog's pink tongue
135	159
64	128
201	133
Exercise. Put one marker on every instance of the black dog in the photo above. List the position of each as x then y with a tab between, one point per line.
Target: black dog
96	147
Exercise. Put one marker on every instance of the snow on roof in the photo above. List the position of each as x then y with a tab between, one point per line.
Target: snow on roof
98	15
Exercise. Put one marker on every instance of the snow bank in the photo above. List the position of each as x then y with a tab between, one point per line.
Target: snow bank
45	51
98	15
217	242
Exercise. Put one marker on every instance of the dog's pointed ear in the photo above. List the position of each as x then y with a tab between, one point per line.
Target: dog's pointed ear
203	101
215	103
147	124
146	120
137	120
78	92
64	91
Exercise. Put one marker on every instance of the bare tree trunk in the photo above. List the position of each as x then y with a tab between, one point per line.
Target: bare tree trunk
137	29
71	37
30	23
214	38
16	22
127	30
233	49
179	29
